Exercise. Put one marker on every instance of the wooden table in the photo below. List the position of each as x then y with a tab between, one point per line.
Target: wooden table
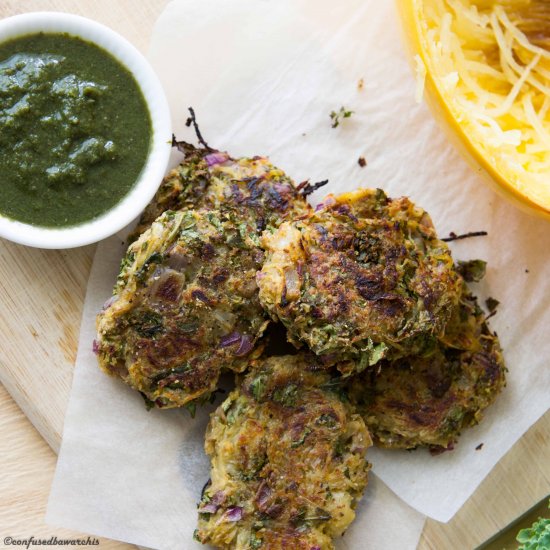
41	298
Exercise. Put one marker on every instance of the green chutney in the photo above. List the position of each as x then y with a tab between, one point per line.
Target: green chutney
75	130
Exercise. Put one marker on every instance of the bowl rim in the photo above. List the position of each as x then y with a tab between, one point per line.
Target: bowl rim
143	190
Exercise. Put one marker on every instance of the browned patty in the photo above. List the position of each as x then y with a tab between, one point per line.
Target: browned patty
185	307
428	400
288	461
363	278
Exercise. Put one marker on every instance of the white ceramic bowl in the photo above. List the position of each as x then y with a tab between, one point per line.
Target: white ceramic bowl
143	190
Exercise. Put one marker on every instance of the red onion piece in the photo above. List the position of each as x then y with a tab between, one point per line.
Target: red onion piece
328	201
216	158
246	345
178	261
95	346
214	504
230	339
235	513
263	494
218	498
109	302
282	188
244	341
209	508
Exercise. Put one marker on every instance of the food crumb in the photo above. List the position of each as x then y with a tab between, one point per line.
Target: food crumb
336	116
526	271
479	447
360	84
491	304
362	162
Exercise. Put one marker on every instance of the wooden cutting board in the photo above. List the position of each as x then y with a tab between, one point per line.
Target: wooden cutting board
41	298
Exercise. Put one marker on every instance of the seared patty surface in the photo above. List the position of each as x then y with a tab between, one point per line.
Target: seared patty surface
427	400
288	460
185	307
363	277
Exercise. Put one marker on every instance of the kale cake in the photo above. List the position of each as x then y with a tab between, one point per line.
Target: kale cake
288	460
363	277
185	307
427	400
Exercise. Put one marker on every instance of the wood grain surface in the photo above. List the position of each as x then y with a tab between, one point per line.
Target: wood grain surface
28	465
41	298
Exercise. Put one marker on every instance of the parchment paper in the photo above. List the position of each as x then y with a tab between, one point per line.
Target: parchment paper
263	77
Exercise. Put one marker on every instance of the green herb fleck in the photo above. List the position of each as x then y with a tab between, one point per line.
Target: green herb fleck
148	324
256	465
337	386
127	261
215	221
339	447
235	409
257	386
286	396
371	354
187	327
327	420
300	441
192	408
472	271
170	372
302	521
154	258
255	541
125	264
148	403
227	404
246	232
341	114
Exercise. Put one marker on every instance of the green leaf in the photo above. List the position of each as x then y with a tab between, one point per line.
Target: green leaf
254	541
192	408
257	386
147	324
472	271
300	441
286	396
536	537
336	116
371	354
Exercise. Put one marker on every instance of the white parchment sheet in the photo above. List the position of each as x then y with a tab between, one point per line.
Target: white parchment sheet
263	76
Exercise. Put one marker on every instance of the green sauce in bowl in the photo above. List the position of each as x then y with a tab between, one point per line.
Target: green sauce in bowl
75	130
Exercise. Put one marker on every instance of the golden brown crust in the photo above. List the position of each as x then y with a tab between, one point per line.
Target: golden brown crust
427	401
185	306
250	187
288	461
364	277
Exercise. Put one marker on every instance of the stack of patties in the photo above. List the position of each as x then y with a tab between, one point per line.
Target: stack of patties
389	342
